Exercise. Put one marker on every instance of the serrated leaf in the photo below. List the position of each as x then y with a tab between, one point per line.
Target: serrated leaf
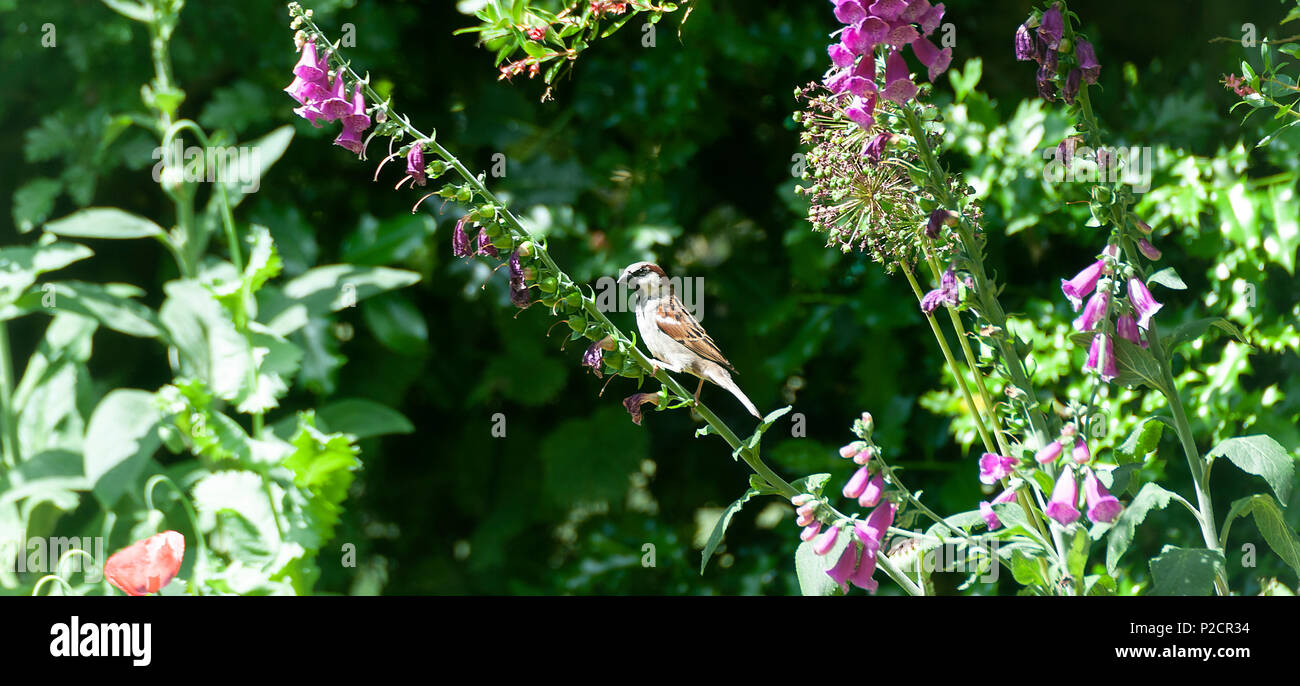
1262	456
1141	441
1185	571
1150	497
1273	526
34	201
1137	366
813	483
720	528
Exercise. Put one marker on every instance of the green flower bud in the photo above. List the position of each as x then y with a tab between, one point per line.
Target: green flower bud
548	284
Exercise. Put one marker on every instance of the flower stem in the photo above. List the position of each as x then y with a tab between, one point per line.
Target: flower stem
8	417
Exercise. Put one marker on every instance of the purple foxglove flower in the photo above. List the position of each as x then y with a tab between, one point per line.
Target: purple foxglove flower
865	456
1127	329
1149	251
805	516
846	566
858	483
350	138
1080	452
1071	87
1093	312
946	294
994	467
873	31
870	496
889	10
1051	28
872	531
931	19
356	118
519	296
876	146
306	92
990	517
309	68
1049	453
809	532
1046	89
337	104
485	247
898	84
1064	495
850	11
840	55
1081	285
900	35
860	111
937	219
1065	150
865	89
1145	305
1027	45
415	167
802	499
460	245
1087	58
837	80
310	113
866	567
1143	226
1103	507
633	404
933	58
915	10
826	540
1101	357
1007	496
848	451
595	355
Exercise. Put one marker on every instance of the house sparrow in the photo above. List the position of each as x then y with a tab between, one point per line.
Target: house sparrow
674	337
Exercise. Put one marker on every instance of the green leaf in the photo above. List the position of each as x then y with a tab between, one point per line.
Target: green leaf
1273	526
811	568
720	528
1137	366
1077	556
34	201
1150	497
104	222
363	418
1185	571
1194	329
1025	569
333	287
397	323
1262	456
1142	441
120	438
19	266
813	483
111	304
1168	278
572	474
264	151
751	443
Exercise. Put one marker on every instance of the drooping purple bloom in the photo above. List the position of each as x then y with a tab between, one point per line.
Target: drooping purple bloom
889	10
898	85
872	531
995	467
946	294
932	57
1007	496
857	483
848	451
1101	357
810	531
338	103
937	219
861	110
1048	454
484	245
1103	507
826	540
1126	327
1149	251
876	146
1087	58
1027	46
1080	453
356	118
519	290
350	138
866	567
990	517
415	166
310	113
594	357
633	404
931	19
1071	87
1052	28
460	243
900	34
846	566
850	11
1145	305
840	55
1093	312
1064	495
870	496
1083	283
309	67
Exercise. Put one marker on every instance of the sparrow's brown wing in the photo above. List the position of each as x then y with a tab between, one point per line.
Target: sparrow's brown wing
675	320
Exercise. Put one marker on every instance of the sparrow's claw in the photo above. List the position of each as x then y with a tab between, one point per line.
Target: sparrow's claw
697	391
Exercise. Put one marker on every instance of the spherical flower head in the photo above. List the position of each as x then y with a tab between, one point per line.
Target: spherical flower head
1083	283
898	84
1064	495
826	540
995	467
935	60
1103	507
1051	28
1093	312
1143	303
990	517
870	495
1049	453
146	566
1087	58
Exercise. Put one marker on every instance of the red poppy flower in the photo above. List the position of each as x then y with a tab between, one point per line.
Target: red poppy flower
146	566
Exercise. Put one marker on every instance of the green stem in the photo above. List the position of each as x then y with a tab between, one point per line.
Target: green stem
8	415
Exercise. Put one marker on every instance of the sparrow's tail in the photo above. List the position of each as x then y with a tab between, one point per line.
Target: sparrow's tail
722	378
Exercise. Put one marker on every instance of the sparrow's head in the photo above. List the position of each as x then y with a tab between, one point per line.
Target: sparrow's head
644	275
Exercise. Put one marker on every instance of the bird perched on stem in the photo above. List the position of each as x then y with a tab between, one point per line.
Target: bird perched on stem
673	335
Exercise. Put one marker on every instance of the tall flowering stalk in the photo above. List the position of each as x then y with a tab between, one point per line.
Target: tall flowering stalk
530	265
